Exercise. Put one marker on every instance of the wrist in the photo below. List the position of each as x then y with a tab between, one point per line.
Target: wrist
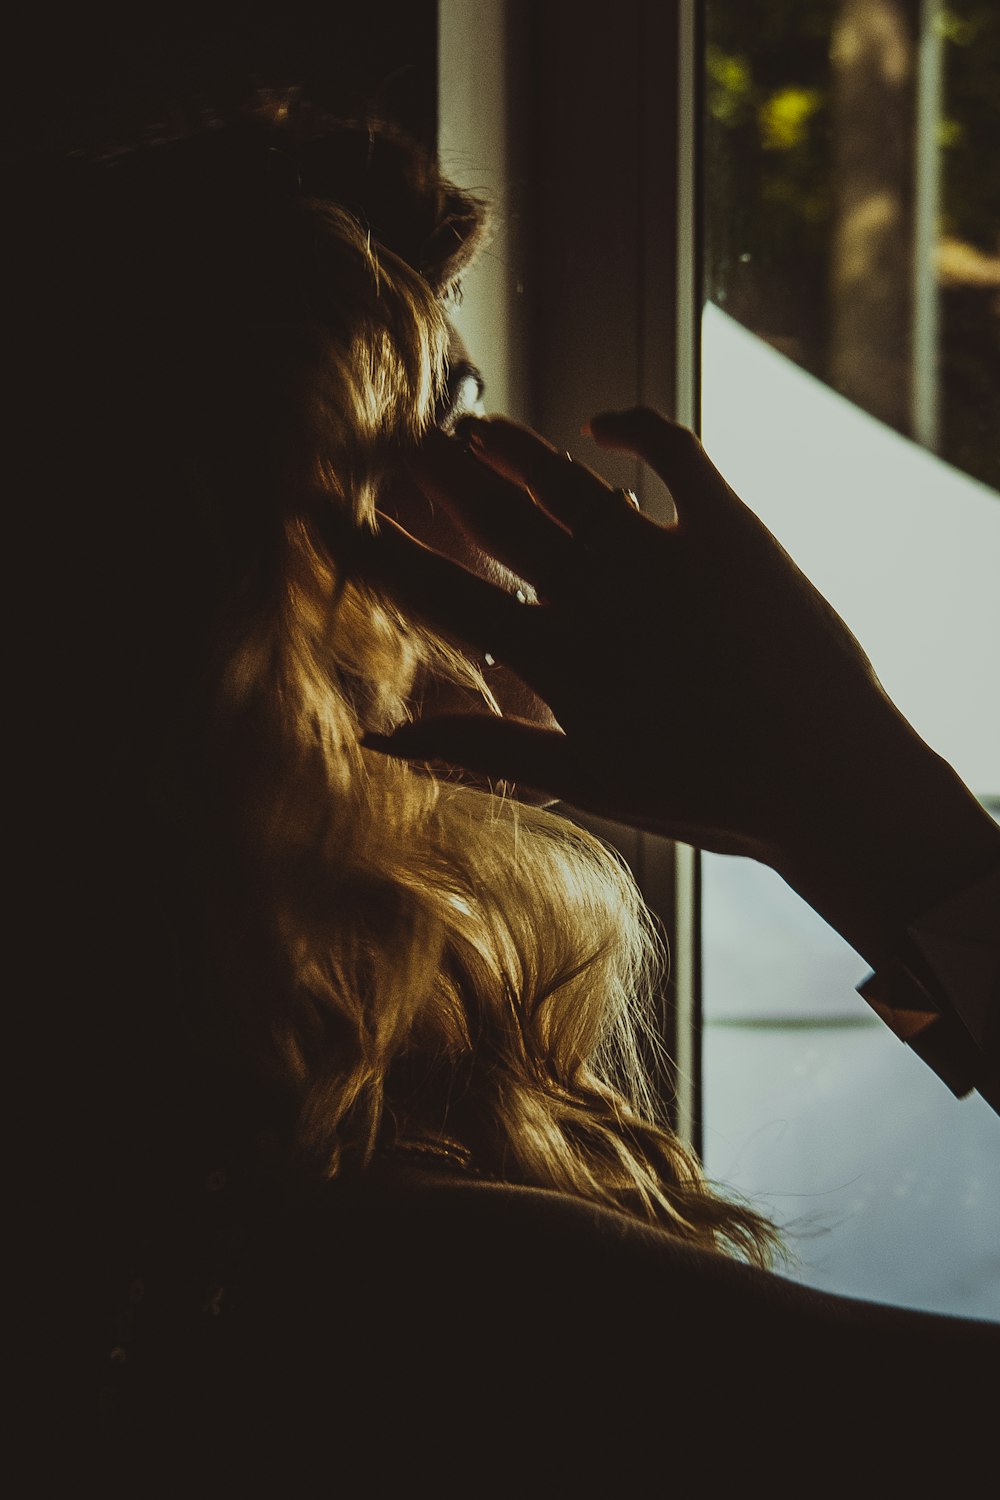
898	834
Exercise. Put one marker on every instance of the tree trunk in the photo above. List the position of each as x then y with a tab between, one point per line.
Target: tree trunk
873	61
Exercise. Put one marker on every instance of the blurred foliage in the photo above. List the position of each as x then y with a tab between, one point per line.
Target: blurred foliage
769	218
971	29
767	160
784	118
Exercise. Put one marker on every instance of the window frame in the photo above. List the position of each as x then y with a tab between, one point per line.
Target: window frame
561	96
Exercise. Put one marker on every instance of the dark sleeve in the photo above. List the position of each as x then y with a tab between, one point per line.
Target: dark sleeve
941	993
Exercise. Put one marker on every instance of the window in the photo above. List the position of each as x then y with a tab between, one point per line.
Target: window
850	387
673	189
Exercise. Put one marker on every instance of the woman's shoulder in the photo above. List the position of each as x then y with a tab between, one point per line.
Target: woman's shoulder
418	1321
512	1250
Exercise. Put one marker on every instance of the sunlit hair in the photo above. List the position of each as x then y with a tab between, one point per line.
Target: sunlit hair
403	959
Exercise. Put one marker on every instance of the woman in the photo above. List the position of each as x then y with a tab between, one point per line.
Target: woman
383	1198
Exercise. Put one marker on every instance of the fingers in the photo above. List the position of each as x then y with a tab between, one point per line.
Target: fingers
498	749
563	487
443	593
569	491
673	452
498	515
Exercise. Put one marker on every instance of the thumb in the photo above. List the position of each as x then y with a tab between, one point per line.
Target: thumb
672	451
499	749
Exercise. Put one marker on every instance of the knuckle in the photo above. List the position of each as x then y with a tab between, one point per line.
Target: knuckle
690	445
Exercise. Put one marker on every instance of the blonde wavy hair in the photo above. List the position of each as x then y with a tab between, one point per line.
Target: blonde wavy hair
403	958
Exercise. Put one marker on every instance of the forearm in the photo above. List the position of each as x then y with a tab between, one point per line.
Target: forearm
892	842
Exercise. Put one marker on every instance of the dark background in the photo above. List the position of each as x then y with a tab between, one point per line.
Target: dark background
109	74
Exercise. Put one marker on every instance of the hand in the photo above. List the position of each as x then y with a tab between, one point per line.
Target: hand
702	686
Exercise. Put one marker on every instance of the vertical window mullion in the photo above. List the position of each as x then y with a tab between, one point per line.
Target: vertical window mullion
669	380
583	129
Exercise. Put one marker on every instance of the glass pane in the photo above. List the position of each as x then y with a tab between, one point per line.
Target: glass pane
851	385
